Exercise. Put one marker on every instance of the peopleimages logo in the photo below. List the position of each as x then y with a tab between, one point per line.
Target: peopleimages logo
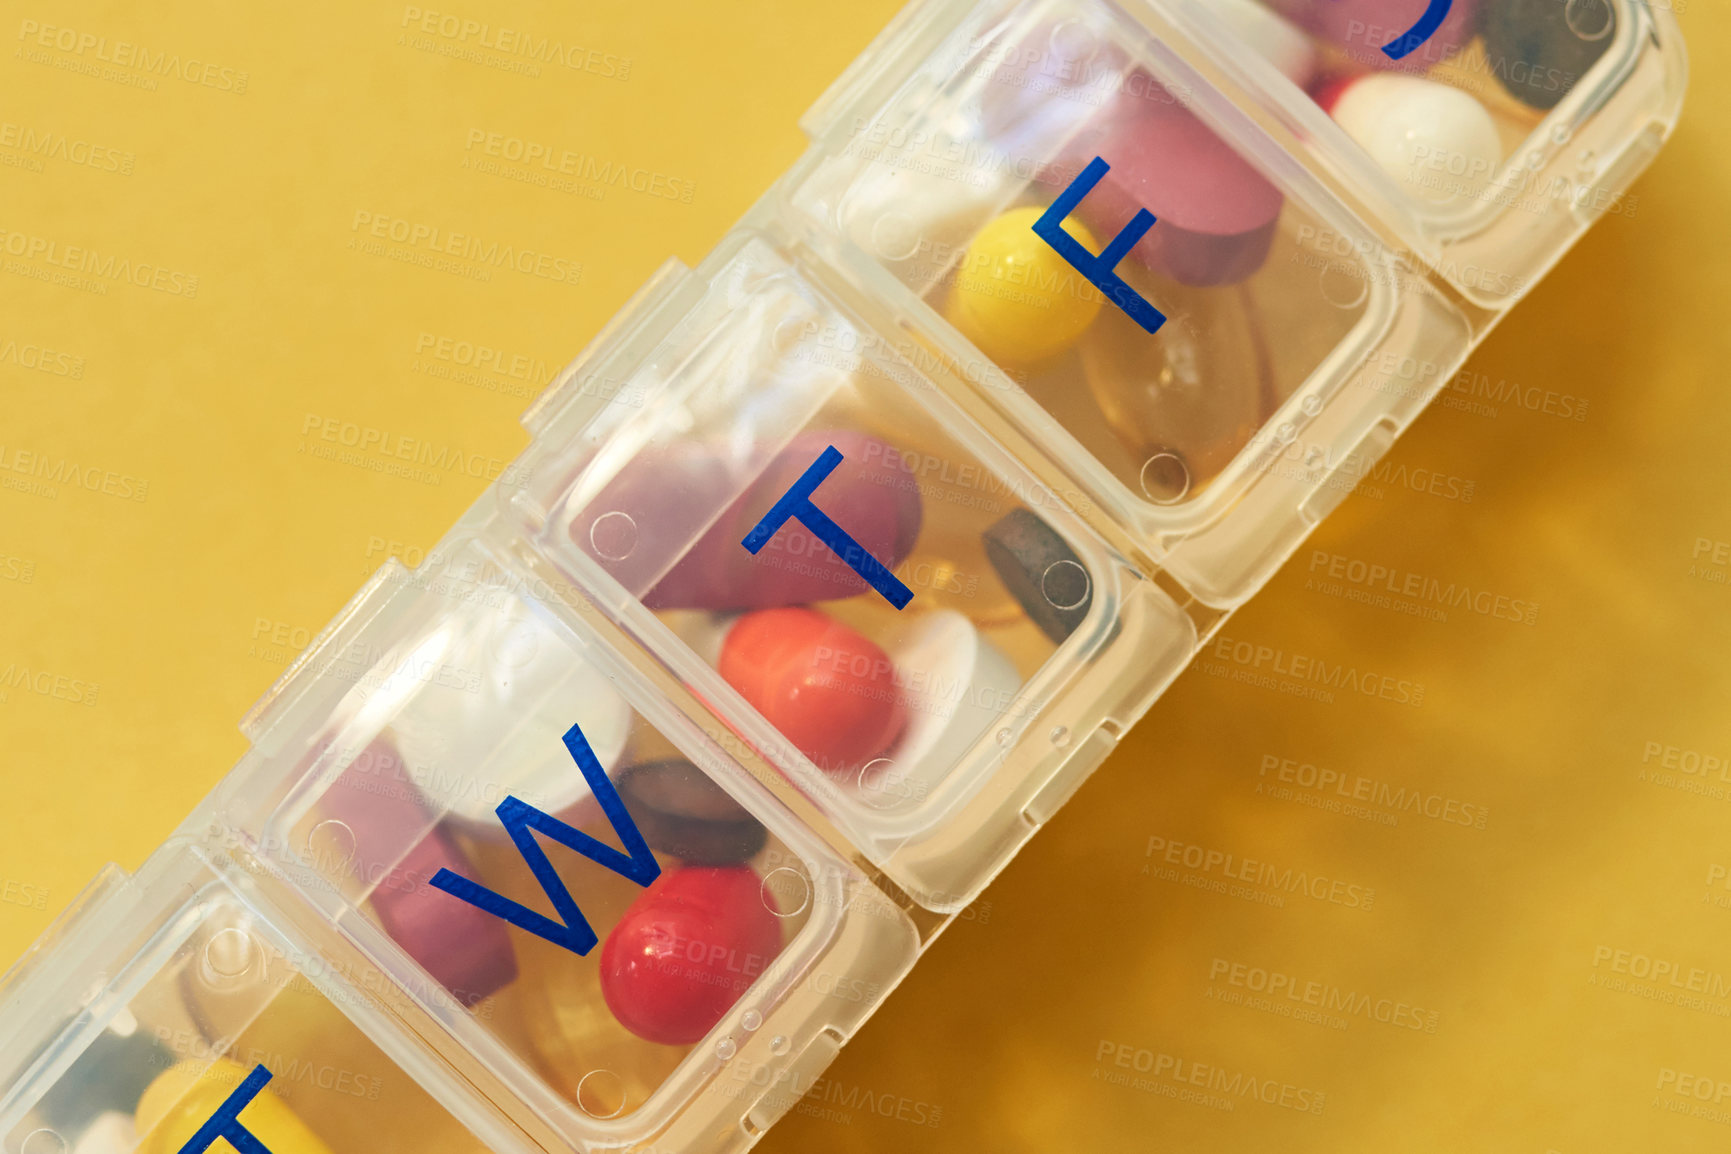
1376	579
1401	799
303	1071
1397	1012
378	447
461	32
136	57
46	683
53	471
481	356
1302	669
103	266
41	358
46	144
555	160
432	240
16	893
1206	860
1224	1085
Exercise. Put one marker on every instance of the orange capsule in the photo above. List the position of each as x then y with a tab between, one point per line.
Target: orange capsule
828	689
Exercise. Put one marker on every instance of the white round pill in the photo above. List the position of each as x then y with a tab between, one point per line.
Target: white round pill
1438	142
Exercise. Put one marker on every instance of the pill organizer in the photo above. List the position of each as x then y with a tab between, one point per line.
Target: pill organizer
834	566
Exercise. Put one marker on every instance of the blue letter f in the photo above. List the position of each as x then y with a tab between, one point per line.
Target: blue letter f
1099	269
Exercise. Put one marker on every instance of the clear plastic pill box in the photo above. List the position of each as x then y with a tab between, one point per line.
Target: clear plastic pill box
834	567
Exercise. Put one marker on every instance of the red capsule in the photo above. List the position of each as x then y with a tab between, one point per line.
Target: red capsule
828	689
685	951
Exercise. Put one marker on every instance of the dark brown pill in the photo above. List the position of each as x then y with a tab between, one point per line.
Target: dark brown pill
1041	572
1539	49
682	812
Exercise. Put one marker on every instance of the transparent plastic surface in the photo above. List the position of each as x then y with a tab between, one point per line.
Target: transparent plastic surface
612	823
1028	101
1490	139
1240	307
188	984
470	734
898	721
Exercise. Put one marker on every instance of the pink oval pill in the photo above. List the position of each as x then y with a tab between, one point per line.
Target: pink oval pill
1216	213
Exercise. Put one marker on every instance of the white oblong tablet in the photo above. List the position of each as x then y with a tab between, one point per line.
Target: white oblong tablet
495	727
1439	143
956	685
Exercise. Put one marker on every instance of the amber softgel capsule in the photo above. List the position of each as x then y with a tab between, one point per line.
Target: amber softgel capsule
1186	401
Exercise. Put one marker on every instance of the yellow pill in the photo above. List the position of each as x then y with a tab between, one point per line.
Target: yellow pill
1015	297
183	1097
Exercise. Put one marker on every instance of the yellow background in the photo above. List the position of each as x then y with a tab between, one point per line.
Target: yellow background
171	604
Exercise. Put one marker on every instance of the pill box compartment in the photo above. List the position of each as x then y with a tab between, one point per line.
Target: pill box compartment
278	936
447	701
1215	439
149	1001
1491	146
933	734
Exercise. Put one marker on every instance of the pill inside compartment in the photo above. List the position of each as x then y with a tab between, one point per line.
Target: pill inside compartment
1261	297
531	854
888	702
1452	112
225	994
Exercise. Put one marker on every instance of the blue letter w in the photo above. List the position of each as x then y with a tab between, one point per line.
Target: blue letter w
572	931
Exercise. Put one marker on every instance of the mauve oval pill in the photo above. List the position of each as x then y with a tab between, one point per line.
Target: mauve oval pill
1216	214
464	948
666	493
